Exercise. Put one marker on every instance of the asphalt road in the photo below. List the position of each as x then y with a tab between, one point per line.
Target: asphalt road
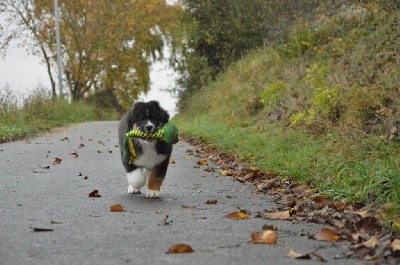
86	232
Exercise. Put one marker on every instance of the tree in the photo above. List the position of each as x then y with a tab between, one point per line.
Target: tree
107	45
216	33
17	21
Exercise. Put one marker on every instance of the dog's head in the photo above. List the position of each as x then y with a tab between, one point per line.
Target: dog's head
147	116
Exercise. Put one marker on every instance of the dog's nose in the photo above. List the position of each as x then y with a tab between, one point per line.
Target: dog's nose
149	128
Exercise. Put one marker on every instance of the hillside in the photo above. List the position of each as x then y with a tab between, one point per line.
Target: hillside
321	106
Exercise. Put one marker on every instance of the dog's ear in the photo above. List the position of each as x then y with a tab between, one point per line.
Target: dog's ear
134	113
137	105
164	116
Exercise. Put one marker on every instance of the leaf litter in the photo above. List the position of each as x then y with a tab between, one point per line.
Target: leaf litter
180	249
360	225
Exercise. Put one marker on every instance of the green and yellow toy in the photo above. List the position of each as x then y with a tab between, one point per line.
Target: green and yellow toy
168	133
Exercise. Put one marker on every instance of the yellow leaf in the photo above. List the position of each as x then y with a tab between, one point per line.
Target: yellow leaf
243	214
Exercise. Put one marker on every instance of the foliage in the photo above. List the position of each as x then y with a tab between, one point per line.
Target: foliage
330	89
26	116
272	93
216	33
105	44
324	101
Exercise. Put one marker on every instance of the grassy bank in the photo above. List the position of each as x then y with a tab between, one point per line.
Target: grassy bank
321	107
352	173
27	116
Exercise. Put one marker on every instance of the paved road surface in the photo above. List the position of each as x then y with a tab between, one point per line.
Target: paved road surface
88	233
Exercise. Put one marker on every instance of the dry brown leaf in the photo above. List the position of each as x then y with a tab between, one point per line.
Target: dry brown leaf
179	249
39	229
267	184
57	161
202	162
371	243
117	208
320	201
249	176
295	255
226	173
211	201
283	215
327	234
74	154
239	215
94	194
338	205
55	222
268	236
370	225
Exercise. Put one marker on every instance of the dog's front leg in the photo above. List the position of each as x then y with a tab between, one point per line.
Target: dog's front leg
136	181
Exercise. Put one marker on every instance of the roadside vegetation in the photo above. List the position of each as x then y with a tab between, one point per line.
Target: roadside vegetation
317	100
27	116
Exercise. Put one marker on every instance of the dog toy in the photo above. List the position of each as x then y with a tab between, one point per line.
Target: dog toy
168	133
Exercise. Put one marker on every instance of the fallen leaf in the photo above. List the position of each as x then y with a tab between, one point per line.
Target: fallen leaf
395	245
362	213
94	193
117	208
295	255
266	236
239	215
211	201
55	222
81	146
320	201
338	205
370	225
100	142
226	173
249	176
75	154
38	229
57	161
179	249
327	234
282	215
372	243
171	161
267	184
202	162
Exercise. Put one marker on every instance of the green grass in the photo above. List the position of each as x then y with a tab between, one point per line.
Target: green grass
26	117
349	173
321	108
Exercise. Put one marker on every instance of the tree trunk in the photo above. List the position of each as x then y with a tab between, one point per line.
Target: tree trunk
48	64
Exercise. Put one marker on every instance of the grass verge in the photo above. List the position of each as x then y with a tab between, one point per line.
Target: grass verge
26	117
351	173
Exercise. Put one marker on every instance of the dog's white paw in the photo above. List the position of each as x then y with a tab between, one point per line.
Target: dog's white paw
132	190
152	194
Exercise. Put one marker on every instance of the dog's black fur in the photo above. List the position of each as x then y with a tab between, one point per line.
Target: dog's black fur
147	117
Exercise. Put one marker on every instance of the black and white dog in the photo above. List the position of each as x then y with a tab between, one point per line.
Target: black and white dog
153	155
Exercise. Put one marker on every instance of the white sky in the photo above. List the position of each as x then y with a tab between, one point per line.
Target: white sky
23	73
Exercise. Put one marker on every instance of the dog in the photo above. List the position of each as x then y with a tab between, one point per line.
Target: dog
152	155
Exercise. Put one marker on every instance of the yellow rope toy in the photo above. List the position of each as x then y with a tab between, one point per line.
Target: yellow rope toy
168	133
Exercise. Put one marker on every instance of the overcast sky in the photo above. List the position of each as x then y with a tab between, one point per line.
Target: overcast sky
24	73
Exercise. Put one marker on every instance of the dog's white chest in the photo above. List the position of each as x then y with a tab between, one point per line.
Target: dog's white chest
149	157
